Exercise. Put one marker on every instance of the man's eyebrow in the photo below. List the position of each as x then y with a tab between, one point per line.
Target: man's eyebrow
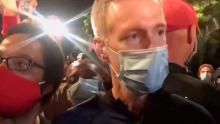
161	25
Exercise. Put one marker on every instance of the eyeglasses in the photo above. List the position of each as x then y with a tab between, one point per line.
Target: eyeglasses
19	63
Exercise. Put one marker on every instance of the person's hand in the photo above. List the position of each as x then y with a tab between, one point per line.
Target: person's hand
8	7
11	7
27	5
1	7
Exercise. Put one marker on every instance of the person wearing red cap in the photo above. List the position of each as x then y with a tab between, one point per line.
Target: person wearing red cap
131	39
182	25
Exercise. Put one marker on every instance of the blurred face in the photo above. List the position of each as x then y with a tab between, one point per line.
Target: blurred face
133	29
71	72
217	82
28	5
206	70
26	61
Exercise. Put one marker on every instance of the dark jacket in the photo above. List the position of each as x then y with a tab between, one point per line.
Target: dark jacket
162	108
185	85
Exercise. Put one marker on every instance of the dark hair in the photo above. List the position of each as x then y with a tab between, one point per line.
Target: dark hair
52	55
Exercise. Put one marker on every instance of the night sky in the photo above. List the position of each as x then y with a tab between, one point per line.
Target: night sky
65	9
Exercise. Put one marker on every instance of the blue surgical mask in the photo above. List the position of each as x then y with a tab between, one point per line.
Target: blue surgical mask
84	89
205	76
142	71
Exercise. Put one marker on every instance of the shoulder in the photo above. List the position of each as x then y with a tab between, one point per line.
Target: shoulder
187	80
186	85
93	111
80	114
187	110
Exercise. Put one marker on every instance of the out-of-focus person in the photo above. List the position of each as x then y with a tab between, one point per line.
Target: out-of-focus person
206	73
10	12
31	70
83	80
217	78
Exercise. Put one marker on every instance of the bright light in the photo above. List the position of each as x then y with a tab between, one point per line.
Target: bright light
54	27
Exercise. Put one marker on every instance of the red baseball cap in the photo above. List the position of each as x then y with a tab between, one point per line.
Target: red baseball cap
179	15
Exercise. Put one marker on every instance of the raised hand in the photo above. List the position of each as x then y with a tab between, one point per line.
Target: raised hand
8	7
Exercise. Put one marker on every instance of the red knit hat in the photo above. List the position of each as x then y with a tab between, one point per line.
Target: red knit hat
179	14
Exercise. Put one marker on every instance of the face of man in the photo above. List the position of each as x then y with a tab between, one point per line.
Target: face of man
133	25
206	70
141	27
206	73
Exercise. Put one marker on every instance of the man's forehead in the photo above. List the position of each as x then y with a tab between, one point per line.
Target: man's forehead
132	5
206	67
115	2
119	8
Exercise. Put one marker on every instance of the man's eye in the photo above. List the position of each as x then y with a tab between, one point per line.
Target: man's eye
161	32
132	37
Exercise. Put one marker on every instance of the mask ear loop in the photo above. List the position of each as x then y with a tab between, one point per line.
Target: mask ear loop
110	65
42	86
41	82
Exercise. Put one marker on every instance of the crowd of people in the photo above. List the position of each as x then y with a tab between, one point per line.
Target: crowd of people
135	71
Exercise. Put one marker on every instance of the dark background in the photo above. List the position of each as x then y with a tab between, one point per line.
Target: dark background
64	9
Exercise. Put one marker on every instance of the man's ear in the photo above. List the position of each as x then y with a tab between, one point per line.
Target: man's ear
191	36
100	50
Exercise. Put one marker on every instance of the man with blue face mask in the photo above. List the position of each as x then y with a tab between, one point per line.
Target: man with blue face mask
132	38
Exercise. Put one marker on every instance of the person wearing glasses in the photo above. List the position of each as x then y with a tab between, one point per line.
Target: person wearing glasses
31	69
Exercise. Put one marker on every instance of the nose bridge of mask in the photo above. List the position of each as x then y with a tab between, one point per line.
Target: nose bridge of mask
133	66
130	61
141	61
